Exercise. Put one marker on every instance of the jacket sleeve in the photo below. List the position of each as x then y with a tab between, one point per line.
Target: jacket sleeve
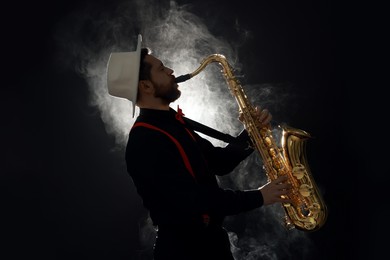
166	186
223	160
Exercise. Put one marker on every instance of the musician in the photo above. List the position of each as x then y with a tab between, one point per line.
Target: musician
174	169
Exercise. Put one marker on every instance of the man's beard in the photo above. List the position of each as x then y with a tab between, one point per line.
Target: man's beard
167	95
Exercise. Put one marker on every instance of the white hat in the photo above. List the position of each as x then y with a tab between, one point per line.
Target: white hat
123	74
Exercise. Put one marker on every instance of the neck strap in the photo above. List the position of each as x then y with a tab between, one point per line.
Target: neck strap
196	126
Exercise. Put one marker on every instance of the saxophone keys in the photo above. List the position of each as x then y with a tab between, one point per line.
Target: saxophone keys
304	190
268	141
299	171
310	223
315	208
288	223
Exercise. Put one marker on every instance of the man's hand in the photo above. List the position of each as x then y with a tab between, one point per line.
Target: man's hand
273	191
262	117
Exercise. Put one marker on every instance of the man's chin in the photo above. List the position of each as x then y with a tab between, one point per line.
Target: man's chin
172	98
177	94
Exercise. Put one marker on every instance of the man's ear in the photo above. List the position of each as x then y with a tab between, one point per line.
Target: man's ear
145	86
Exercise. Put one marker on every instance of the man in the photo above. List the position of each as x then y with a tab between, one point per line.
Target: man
174	169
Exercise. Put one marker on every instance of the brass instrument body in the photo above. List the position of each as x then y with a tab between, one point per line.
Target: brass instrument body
308	210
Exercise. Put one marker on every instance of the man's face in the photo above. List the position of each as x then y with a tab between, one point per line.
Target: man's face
163	80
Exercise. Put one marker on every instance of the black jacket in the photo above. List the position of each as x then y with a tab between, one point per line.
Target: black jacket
170	193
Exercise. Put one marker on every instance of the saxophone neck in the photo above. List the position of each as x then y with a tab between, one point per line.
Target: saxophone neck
221	59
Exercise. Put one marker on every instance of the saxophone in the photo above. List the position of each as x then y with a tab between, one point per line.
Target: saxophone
308	211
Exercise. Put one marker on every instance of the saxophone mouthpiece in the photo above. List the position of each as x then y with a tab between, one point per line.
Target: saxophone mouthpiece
183	78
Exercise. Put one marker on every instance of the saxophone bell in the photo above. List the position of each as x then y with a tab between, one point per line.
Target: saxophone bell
183	78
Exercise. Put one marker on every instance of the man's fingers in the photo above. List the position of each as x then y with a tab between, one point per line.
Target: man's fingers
281	178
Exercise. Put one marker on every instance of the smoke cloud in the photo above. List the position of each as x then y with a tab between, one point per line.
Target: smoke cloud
181	40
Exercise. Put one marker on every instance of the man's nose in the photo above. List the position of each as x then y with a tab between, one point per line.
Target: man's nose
170	71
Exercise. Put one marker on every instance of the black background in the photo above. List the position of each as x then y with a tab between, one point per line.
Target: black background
63	176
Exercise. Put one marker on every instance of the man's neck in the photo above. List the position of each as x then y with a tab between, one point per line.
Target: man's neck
154	106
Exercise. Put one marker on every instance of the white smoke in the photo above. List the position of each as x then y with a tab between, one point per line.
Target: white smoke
181	40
